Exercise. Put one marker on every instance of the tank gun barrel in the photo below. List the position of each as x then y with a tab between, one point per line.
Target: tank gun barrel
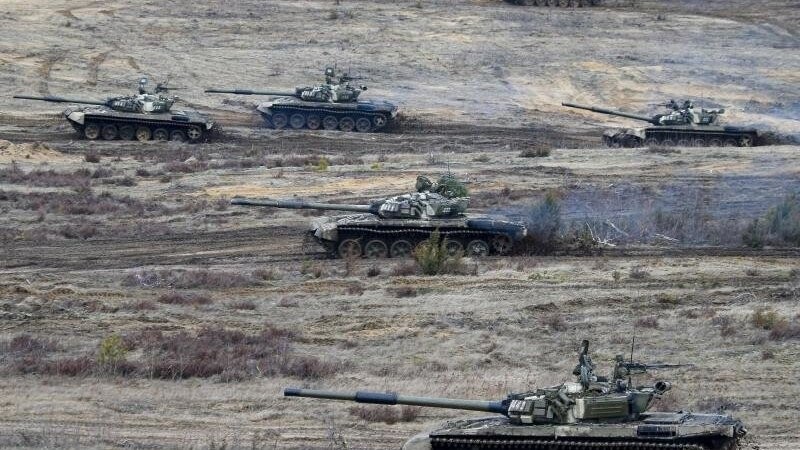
388	398
54	99
249	92
611	112
300	204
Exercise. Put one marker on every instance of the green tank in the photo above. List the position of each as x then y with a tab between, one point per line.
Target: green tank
143	116
394	226
333	105
592	412
681	126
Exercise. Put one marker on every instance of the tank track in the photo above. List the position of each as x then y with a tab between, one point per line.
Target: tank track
376	120
699	138
191	131
414	236
442	443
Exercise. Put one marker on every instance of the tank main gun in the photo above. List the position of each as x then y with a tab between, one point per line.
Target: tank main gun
54	99
251	92
300	204
653	120
390	398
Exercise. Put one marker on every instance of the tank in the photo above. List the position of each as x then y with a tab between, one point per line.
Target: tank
591	412
681	126
143	116
393	227
567	3
330	106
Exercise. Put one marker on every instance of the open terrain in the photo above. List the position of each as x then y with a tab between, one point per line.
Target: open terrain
104	239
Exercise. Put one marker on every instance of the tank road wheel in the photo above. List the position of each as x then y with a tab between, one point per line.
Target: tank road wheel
650	142
746	141
349	248
730	142
160	134
668	143
330	123
699	142
194	133
683	143
376	248
177	136
110	132
347	124
313	122
363	125
453	247
143	134
297	121
127	132
379	121
279	121
477	247
714	142
401	248
501	244
91	131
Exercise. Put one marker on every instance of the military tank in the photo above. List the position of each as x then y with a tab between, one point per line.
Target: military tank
143	116
567	3
681	126
393	227
592	412
330	106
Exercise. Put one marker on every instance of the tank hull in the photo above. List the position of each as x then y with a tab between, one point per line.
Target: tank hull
100	122
682	136
362	116
365	235
663	431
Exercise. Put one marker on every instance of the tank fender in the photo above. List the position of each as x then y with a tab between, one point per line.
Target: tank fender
264	108
515	231
420	441
75	116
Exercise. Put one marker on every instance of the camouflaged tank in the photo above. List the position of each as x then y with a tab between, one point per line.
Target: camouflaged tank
681	126
564	3
144	116
393	227
592	412
330	106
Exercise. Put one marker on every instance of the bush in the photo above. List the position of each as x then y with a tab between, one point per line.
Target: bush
647	322
780	226
543	220
404	291
91	157
177	298
385	414
539	152
111	352
433	258
766	319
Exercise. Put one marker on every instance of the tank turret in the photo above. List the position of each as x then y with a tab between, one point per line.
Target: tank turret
330	105
394	226
590	412
123	117
681	126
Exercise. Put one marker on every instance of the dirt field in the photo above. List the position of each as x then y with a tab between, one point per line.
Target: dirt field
138	241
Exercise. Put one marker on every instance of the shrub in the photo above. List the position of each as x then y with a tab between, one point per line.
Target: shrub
433	258
111	351
385	414
404	269
287	302
543	220
779	226
785	330
373	271
555	322
91	157
537	152
322	165
245	305
177	298
638	273
647	322
189	279
766	319
404	291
